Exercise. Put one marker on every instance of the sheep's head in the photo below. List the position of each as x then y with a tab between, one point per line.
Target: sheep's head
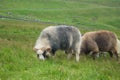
43	53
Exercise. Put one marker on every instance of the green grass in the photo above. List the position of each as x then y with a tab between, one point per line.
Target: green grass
17	37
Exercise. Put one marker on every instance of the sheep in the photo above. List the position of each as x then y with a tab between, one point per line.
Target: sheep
55	38
99	41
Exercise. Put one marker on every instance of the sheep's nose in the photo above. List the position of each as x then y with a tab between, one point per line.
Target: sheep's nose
41	57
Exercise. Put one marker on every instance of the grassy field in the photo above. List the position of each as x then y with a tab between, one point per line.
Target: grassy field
21	22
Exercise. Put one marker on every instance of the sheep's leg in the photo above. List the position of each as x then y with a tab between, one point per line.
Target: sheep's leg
111	54
117	57
77	51
77	57
94	55
116	54
69	55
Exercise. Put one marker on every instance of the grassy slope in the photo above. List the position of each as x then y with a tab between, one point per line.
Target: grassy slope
18	61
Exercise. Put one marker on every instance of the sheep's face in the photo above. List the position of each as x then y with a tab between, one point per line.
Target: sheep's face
42	53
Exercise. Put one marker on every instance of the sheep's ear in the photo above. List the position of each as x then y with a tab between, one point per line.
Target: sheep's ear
48	49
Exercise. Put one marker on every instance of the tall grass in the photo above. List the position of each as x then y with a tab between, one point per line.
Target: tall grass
17	37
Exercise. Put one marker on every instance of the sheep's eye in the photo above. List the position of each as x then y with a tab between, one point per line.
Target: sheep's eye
44	54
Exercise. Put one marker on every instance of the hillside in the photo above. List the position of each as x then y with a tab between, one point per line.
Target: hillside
21	22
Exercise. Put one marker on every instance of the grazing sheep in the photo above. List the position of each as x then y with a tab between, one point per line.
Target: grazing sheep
60	37
99	41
